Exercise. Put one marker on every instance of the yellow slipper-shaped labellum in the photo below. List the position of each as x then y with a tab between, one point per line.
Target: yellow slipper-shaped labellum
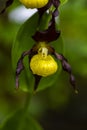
43	66
34	3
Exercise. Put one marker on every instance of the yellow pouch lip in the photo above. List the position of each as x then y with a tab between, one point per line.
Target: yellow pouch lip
43	66
34	3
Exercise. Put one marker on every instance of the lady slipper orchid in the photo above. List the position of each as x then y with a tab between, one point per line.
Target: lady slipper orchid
41	55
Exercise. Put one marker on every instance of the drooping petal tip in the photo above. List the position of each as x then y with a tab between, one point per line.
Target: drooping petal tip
76	91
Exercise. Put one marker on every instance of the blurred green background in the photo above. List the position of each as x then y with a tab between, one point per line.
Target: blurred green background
56	107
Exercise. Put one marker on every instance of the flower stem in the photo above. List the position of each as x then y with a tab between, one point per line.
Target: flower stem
27	102
25	111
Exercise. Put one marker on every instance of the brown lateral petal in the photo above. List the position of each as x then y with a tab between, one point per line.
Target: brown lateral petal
20	66
66	67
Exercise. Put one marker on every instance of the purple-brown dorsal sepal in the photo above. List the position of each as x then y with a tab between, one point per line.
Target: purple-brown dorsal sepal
48	35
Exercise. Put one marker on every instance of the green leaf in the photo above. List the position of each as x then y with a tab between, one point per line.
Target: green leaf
20	121
63	1
25	42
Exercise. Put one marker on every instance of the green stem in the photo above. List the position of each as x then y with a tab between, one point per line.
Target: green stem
25	110
27	102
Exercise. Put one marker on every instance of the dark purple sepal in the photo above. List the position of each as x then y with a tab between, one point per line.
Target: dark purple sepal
48	35
37	80
7	4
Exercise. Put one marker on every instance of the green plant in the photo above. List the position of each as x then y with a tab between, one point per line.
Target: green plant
37	29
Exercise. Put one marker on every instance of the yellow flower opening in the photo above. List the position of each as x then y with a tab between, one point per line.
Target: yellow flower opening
43	64
34	3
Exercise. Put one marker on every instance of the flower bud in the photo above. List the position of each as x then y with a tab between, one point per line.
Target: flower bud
34	3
